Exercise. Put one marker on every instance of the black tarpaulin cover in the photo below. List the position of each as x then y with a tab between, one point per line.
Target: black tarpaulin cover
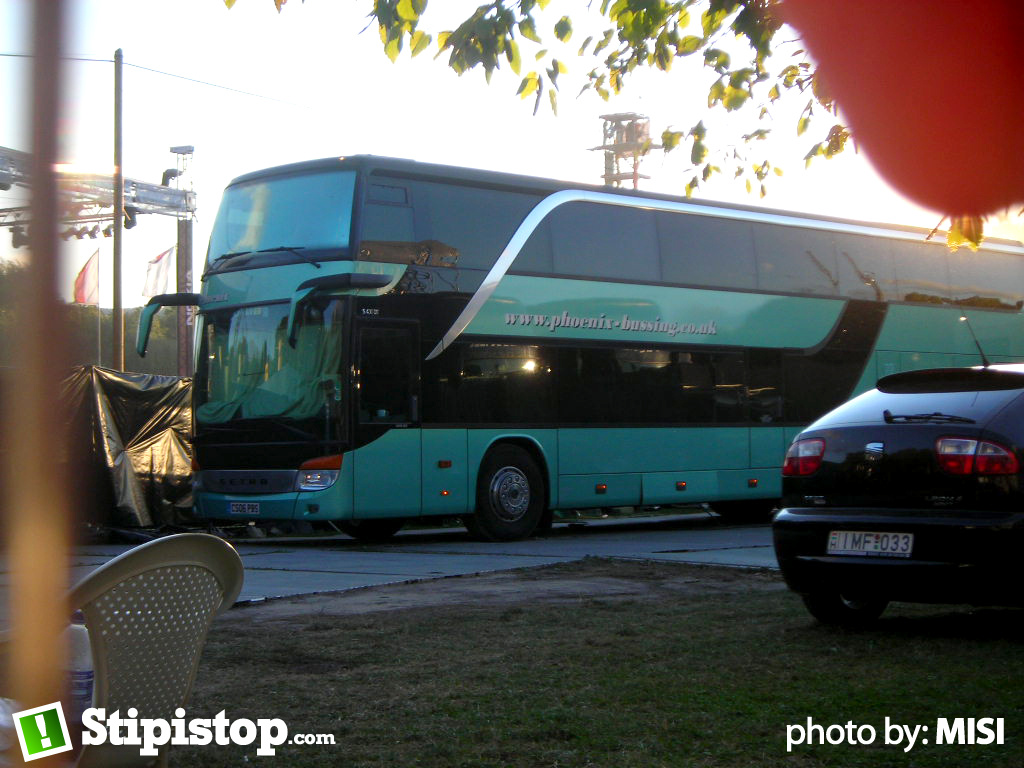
138	471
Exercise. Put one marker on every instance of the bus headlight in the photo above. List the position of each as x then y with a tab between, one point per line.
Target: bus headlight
315	479
319	473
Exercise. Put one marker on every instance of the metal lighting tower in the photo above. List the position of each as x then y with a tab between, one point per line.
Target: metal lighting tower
183	267
626	139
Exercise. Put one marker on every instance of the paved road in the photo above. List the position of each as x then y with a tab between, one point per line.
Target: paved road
285	567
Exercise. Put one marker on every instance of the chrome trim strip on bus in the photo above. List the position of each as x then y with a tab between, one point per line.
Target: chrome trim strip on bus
549	203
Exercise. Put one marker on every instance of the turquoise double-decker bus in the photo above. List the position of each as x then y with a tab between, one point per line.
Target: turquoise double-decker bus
383	340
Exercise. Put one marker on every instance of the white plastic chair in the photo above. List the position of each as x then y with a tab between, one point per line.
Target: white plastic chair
148	612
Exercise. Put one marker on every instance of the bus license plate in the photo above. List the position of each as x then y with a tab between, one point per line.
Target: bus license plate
245	508
870	543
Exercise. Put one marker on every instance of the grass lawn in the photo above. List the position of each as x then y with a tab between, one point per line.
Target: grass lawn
675	677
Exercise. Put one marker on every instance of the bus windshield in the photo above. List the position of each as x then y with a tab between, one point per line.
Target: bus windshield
284	212
248	370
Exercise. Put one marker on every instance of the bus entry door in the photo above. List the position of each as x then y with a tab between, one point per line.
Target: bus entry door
387	419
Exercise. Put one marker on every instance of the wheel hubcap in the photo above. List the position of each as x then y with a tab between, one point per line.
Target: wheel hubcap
510	494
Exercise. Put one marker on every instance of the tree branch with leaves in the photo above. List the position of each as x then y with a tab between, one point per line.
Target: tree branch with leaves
736	42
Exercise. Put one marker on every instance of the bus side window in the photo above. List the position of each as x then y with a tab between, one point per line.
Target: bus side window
706	251
791	260
605	241
923	271
764	385
865	268
388	225
730	388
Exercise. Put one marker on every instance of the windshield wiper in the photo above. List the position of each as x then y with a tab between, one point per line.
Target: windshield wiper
231	255
916	418
292	250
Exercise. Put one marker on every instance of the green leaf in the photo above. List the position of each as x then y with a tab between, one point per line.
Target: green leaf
773	94
802	125
717	59
419	42
528	85
698	153
670	139
528	30
512	54
711	21
965	230
715	93
407	10
734	98
586	43
814	152
605	41
392	48
749	186
689	44
563	29
554	101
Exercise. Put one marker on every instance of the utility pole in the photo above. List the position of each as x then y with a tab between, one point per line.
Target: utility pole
118	314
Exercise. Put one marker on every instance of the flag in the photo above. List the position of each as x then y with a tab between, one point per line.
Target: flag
156	274
87	284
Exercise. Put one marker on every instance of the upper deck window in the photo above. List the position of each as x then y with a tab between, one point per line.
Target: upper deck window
306	211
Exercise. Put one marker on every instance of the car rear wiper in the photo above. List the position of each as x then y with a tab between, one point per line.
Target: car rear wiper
292	250
913	418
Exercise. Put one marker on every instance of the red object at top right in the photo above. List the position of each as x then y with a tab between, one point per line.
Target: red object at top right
931	91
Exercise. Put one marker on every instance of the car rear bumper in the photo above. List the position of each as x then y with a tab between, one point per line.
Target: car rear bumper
972	557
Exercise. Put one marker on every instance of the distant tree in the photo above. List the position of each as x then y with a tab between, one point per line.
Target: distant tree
89	331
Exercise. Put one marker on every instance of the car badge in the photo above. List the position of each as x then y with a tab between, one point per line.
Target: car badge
874	451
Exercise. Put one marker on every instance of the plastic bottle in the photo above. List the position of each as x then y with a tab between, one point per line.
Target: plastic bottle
80	668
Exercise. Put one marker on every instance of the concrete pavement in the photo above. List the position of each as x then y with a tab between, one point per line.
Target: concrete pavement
288	567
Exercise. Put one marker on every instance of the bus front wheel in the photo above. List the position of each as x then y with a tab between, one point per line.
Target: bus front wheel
509	496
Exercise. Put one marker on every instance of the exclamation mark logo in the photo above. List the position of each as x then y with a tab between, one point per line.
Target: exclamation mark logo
44	740
42	731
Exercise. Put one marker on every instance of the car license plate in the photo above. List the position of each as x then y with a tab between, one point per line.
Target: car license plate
870	543
244	508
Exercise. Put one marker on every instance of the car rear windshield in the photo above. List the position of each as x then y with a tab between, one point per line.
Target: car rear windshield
925	403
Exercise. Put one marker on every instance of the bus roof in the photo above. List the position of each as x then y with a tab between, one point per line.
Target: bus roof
404	168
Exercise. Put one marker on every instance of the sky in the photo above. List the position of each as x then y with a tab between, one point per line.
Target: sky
251	88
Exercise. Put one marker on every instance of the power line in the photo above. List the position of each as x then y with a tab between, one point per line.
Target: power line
166	74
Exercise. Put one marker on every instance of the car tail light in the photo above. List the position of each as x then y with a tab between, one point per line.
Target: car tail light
962	456
804	457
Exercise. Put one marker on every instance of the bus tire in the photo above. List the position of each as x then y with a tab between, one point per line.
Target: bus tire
372	531
750	511
509	496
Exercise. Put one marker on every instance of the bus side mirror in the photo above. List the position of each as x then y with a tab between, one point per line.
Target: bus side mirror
345	281
154	305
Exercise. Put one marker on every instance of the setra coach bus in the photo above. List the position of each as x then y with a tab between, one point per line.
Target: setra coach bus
381	340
